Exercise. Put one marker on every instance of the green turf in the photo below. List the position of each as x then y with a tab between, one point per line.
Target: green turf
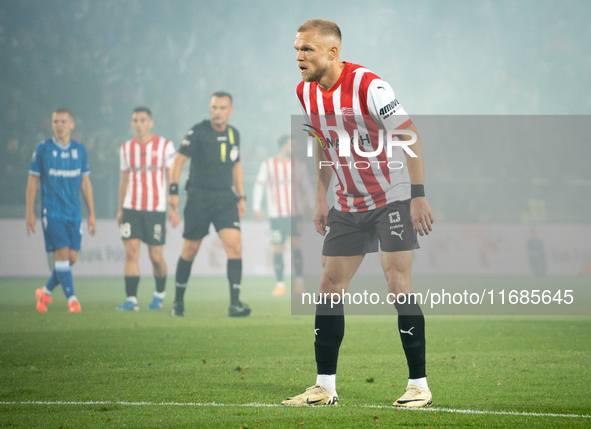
530	364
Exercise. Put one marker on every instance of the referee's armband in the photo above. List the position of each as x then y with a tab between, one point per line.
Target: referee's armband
417	191
173	189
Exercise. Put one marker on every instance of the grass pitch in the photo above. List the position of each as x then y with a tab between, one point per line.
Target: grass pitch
103	368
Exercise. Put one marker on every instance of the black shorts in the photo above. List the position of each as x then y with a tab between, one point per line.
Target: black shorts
284	227
149	227
350	234
206	207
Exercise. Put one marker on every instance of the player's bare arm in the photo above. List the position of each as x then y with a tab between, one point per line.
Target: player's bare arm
420	211
30	197
238	182
173	216
122	191
175	176
323	177
86	188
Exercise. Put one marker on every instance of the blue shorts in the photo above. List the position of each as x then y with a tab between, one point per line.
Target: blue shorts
61	233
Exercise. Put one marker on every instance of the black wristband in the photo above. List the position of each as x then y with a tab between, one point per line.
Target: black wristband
241	197
417	191
173	189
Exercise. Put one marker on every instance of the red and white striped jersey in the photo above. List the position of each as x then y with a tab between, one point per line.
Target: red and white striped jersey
146	166
360	100
284	182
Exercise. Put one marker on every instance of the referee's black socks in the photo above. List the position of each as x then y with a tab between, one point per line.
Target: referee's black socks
234	268
411	327
183	271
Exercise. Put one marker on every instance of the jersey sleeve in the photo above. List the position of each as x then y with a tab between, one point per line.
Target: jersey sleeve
85	168
234	138
384	108
188	143
123	165
259	187
35	167
169	153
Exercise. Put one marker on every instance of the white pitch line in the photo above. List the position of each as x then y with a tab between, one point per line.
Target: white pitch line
261	405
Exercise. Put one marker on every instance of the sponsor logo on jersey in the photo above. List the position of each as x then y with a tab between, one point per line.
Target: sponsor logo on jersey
222	138
64	173
389	108
348	111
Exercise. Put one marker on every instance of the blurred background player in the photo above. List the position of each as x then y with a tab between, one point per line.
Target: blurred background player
283	178
213	147
61	165
145	164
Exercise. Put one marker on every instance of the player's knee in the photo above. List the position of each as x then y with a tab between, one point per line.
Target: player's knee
398	282
73	258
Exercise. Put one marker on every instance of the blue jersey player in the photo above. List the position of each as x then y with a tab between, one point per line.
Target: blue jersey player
61	165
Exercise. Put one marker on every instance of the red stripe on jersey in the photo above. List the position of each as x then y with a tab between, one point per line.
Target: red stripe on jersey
144	176
131	178
154	164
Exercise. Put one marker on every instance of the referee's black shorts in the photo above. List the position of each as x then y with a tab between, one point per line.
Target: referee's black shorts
358	233
205	207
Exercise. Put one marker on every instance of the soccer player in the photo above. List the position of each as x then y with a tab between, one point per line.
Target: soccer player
373	203
283	208
213	147
145	164
61	165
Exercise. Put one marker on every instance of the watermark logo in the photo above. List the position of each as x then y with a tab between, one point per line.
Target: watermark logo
388	140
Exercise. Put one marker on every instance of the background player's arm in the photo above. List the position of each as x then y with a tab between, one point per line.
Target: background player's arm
238	182
122	192
420	211
323	177
86	188
175	176
30	210
173	216
258	191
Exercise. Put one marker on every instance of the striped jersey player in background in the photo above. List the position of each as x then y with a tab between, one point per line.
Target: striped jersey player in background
377	198
145	162
283	179
61	165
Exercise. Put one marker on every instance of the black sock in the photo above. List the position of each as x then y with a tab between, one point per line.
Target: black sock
234	277
160	284
131	284
183	271
298	264
411	326
278	265
329	332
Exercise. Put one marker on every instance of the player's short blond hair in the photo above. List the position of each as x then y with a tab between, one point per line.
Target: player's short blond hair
323	27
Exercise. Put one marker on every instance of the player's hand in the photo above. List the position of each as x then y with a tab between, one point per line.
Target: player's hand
119	217
420	213
320	217
30	221
92	225
173	201
174	218
241	208
258	215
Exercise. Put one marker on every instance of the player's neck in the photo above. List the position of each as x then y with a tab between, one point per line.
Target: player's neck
62	141
144	139
220	128
332	76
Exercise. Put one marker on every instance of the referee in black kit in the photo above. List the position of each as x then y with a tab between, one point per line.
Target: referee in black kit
214	149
